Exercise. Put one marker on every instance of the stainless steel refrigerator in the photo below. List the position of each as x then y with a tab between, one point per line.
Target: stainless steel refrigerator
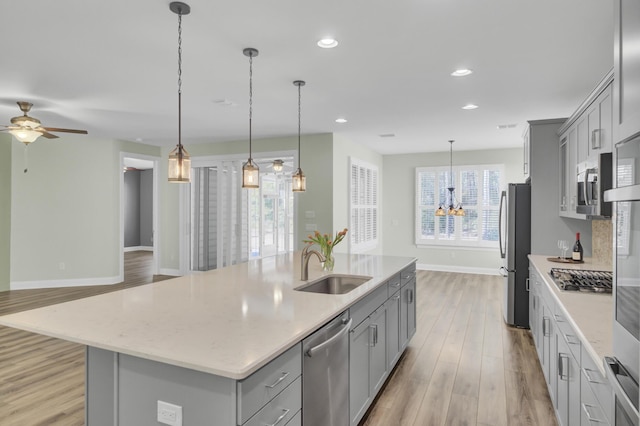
515	246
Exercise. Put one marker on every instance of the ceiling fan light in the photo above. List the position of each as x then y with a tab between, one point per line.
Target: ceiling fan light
250	175
179	165
25	135
299	181
278	165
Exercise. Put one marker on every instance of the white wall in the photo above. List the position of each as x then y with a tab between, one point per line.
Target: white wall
399	208
343	150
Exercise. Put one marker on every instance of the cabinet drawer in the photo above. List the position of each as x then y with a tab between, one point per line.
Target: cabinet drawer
407	274
569	335
296	420
363	308
598	383
393	285
280	409
591	412
259	388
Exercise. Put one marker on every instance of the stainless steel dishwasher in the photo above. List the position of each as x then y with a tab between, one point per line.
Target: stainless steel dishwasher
325	374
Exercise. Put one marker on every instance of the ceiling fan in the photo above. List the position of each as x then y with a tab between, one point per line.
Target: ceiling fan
27	129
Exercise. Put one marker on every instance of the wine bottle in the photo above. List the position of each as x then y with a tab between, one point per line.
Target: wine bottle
577	249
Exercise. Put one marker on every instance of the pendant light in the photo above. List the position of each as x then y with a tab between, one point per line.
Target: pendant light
455	209
299	180
179	159
250	170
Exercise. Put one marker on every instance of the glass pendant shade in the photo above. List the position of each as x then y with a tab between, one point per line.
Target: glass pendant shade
26	136
440	212
278	165
299	181
250	175
460	211
179	165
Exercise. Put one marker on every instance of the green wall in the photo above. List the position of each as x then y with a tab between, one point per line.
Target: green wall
399	207
66	209
5	211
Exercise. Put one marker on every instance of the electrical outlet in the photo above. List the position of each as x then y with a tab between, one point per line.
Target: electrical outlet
310	214
311	227
169	414
62	266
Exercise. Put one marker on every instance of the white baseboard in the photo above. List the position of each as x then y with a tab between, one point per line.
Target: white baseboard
78	282
459	269
138	248
170	272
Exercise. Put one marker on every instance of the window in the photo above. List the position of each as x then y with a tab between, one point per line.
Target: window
478	188
363	205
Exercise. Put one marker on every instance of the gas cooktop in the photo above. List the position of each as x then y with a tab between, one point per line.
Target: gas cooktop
581	280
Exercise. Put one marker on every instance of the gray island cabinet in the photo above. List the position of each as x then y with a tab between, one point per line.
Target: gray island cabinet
223	348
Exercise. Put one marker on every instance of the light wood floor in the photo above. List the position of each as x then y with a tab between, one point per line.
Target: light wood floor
463	366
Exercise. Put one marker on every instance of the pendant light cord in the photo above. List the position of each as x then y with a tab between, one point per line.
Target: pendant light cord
299	125
250	98
180	83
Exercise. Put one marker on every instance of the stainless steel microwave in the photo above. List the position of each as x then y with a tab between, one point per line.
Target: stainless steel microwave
594	177
624	368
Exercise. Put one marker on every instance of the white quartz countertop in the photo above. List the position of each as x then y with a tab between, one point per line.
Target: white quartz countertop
591	314
228	322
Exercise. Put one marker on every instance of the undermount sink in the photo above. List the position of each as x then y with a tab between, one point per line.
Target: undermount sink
334	284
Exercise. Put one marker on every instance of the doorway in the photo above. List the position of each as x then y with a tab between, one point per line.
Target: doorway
229	224
138	210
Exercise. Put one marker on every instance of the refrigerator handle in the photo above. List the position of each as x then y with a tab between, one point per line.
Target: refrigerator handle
503	198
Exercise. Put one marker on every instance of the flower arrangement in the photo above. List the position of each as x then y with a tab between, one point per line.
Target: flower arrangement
326	245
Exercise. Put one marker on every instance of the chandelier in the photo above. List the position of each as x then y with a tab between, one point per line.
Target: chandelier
455	208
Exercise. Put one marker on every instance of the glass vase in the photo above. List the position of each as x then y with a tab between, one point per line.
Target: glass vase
329	261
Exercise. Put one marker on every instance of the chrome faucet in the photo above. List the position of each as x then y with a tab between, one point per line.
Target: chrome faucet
304	261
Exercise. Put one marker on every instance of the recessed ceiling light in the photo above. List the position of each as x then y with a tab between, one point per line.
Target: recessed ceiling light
470	106
462	72
506	126
328	43
388	135
138	139
341	120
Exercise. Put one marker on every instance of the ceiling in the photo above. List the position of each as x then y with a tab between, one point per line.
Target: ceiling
111	68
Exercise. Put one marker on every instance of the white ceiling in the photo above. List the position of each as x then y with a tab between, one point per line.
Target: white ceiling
110	67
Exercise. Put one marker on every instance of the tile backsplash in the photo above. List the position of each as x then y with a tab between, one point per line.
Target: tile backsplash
602	241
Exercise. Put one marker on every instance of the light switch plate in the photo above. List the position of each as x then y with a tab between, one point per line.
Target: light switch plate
310	214
169	414
310	227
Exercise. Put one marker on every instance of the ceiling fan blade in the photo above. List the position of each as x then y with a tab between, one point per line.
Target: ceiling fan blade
46	134
55	129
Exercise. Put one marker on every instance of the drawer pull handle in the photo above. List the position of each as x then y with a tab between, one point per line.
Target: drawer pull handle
586	407
558	317
277	382
562	369
572	340
526	285
397	284
396	298
587	372
285	411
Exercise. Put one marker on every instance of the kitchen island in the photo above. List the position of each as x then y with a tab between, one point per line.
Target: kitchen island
194	340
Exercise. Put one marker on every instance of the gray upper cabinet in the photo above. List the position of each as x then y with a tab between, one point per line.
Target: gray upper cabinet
626	59
526	164
585	135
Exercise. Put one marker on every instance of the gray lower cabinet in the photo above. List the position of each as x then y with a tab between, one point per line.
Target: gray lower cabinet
367	362
394	345
568	381
580	393
125	390
359	377
407	312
